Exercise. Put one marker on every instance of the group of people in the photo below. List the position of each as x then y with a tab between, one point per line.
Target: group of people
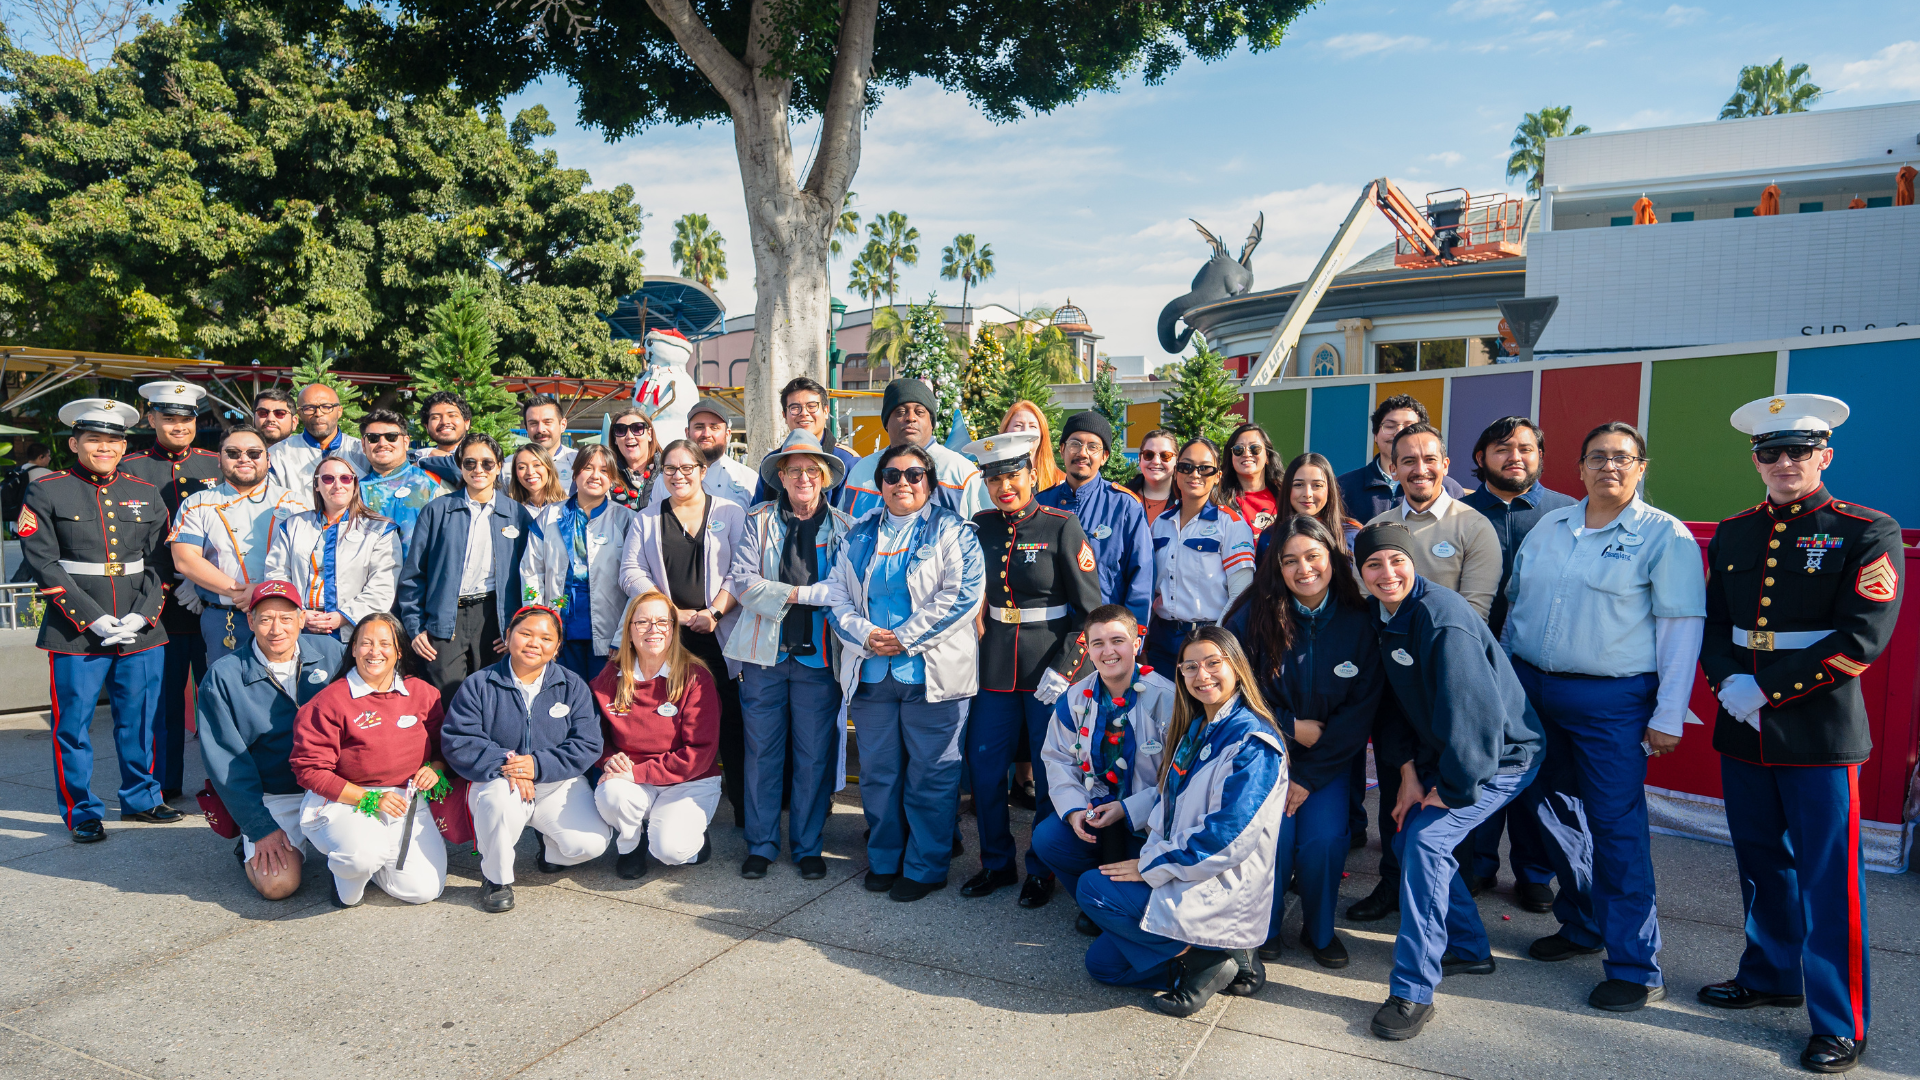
1194	663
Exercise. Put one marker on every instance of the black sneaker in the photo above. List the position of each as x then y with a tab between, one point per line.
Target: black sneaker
1533	896
813	868
1198	974
1274	948
1452	963
755	867
1619	995
632	866
1554	948
1082	924
1400	1019
878	882
1383	901
495	898
1333	956
906	890
706	849
1250	974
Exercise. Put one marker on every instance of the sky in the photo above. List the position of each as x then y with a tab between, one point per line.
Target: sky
1091	202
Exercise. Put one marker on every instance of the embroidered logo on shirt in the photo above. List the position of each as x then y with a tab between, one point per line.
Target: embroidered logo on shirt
1086	557
1878	580
1400	657
1347	669
367	720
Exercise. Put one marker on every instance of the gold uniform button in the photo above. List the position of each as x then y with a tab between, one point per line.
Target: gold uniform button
1766	601
1819	675
1762	620
1797	686
1770	562
1796	508
1776	697
109	513
1840	506
1773	543
1769	581
1779	526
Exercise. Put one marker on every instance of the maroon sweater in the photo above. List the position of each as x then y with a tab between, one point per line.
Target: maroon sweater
665	749
379	740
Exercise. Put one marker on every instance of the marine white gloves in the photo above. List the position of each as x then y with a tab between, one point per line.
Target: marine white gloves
1052	685
1743	699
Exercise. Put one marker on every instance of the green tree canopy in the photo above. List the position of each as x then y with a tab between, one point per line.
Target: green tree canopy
221	190
1529	157
463	356
1770	89
1111	402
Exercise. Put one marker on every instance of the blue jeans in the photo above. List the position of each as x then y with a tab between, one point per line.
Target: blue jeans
1124	954
133	683
1066	854
909	777
1591	800
1437	913
993	733
217	624
1313	842
789	701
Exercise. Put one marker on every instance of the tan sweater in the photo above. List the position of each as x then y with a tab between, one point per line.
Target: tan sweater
1453	545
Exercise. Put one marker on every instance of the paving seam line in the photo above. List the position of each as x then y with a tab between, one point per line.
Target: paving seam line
76	1053
1329	1050
1187	1065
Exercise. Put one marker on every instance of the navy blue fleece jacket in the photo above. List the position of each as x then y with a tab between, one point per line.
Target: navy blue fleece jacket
1332	674
489	718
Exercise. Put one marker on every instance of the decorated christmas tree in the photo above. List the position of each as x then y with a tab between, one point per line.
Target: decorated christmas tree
318	368
463	358
981	382
1202	398
1111	402
930	356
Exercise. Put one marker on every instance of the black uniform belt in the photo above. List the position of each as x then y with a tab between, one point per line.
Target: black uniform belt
478	598
1186	627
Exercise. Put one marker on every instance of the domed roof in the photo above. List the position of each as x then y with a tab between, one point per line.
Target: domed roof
1068	318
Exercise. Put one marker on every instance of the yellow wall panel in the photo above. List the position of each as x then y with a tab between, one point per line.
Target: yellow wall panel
1140	420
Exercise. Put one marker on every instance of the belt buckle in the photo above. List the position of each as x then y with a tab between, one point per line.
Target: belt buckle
115	569
1013	615
1760	640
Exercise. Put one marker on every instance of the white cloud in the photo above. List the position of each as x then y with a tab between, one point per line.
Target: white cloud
1448	158
1352	45
1545	16
1894	69
1677	15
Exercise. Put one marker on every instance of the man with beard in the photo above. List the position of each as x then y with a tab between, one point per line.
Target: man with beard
545	426
445	416
220	537
293	459
707	428
1111	515
907	409
273	414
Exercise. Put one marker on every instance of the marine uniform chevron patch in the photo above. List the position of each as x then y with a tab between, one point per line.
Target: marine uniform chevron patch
1878	580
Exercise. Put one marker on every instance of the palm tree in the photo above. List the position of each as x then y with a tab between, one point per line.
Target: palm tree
893	242
1770	89
962	261
865	280
887	337
698	251
1529	157
847	225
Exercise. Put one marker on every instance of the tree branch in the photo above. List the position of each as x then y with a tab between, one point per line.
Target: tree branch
729	76
839	156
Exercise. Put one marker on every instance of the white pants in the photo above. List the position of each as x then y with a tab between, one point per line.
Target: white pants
675	816
562	813
360	849
286	814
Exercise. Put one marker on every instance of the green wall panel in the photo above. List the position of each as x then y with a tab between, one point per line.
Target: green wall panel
1702	470
1284	414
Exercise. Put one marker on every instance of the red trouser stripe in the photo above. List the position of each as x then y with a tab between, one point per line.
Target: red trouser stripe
1856	944
59	766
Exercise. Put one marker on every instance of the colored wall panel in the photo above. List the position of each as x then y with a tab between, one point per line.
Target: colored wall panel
1476	401
1429	392
1574	401
1878	382
1702	470
1284	414
867	433
1340	425
1140	420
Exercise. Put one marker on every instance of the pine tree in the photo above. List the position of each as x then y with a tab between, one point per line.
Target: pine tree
1028	380
981	382
1202	398
1109	401
930	356
318	368
463	358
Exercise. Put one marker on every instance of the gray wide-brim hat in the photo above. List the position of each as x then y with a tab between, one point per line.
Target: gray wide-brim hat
802	442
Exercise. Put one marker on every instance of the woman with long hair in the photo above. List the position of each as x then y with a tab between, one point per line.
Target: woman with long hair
1192	910
1202	553
343	557
660	729
1251	484
364	749
534	481
1154	482
1309	639
1311	487
1024	415
572	563
638	451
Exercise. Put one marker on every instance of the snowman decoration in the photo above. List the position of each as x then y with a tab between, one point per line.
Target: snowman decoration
666	391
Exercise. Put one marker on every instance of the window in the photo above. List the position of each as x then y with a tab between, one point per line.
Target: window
1681	215
1450	353
737	373
1812	207
1396	356
1743	211
710	373
1879	200
1485	350
1628	220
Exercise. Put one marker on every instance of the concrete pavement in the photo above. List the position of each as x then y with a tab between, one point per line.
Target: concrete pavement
148	956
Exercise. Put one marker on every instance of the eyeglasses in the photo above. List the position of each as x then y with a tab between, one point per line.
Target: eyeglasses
234	453
808	408
679	470
1212	665
652	624
383	436
478	464
272	414
335	479
891	475
621	431
1248	450
1157	455
1771	455
1188	468
323	407
1597	462
803	472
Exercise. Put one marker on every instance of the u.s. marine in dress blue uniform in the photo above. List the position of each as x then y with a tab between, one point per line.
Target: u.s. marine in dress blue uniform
1802	595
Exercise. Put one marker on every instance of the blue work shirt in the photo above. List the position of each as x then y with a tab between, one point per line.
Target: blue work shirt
1584	601
573	525
1512	521
401	495
889	604
1122	539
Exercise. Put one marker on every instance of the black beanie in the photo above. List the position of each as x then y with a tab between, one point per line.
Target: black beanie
1088	421
901	391
1382	536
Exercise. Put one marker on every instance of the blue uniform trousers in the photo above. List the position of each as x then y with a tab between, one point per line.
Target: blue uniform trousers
577	656
1437	913
133	685
1527	851
1124	954
909	776
1067	855
185	658
1591	801
217	624
1164	639
1796	839
1313	843
993	733
789	701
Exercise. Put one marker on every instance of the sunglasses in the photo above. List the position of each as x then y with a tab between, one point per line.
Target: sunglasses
335	480
1248	450
621	431
272	414
914	475
1158	455
235	454
480	464
1771	455
1188	468
383	436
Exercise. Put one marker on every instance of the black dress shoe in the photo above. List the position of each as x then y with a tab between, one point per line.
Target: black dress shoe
171	793
959	845
1021	795
1619	995
1533	896
1356	839
1251	973
1086	926
1477	884
1400	1019
878	882
986	881
495	898
92	832
632	866
1452	963
706	849
906	890
1198	974
1554	948
1383	901
540	862
813	868
1274	948
1832	1054
755	867
161	814
1037	890
1333	956
1731	995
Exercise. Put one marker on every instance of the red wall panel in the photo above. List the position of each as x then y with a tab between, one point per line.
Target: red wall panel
1574	401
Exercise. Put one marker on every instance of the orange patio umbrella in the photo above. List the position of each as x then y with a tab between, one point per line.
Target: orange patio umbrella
1643	212
1769	202
1903	186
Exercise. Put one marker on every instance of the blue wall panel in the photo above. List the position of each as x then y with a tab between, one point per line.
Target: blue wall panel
1475	401
1879	382
1340	425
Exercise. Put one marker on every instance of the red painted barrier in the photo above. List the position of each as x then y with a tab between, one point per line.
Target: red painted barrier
1892	691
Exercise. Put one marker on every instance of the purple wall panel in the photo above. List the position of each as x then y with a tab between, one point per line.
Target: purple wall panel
1473	402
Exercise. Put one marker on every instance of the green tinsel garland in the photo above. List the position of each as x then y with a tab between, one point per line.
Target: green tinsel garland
439	790
369	804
